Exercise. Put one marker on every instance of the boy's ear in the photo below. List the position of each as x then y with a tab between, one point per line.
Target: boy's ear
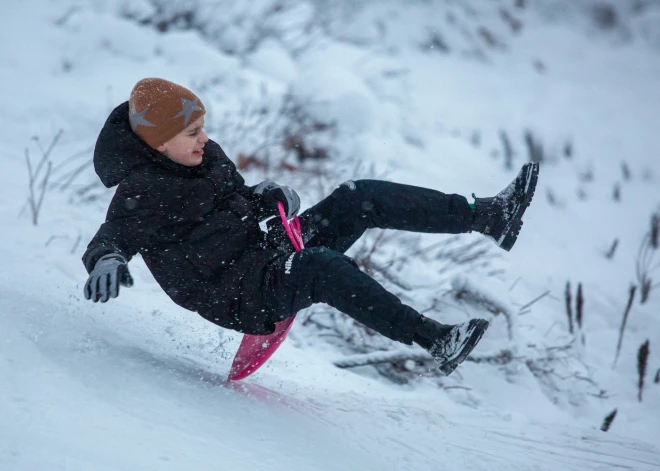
161	148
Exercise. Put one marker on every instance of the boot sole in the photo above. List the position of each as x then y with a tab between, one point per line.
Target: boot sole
478	332
511	233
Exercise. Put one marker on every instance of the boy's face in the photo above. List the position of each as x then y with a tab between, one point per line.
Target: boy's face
186	148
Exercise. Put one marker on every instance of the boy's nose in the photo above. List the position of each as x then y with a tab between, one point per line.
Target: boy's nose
203	137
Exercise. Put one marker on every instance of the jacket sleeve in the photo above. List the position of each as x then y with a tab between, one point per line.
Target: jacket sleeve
130	223
105	241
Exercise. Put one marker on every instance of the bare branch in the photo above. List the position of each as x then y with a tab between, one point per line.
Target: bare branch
43	192
35	201
535	300
398	356
75	244
569	306
465	290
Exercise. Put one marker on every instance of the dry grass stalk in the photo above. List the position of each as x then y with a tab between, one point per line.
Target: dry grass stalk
610	253
508	150
568	149
622	329
569	306
608	421
579	303
514	23
625	170
534	147
642	361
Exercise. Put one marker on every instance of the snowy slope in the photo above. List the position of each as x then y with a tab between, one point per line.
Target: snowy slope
138	383
85	394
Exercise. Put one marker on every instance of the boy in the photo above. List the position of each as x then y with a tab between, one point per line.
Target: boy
181	203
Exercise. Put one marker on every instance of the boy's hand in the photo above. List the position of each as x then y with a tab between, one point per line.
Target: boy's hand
272	193
109	272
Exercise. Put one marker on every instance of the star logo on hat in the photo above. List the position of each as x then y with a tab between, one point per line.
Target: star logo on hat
136	118
188	107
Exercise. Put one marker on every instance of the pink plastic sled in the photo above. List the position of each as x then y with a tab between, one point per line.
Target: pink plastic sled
255	350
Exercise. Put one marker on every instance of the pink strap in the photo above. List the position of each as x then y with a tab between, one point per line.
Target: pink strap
293	229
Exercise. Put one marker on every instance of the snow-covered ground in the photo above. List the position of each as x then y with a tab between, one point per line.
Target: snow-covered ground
138	383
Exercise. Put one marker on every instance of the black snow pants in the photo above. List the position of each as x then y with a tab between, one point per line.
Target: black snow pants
321	273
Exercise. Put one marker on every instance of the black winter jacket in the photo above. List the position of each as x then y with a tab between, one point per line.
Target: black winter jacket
195	227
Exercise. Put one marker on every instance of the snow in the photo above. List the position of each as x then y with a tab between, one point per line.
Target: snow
138	383
274	60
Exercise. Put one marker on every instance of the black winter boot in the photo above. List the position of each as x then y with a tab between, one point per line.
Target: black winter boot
449	345
500	217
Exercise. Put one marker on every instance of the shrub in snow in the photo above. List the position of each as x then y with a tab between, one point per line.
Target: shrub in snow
234	27
645	263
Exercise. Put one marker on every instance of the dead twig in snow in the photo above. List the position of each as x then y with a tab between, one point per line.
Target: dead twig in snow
631	298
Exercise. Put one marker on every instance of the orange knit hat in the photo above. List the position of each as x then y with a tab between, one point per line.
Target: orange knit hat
160	109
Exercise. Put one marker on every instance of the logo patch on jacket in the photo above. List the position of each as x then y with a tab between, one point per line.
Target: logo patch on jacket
287	265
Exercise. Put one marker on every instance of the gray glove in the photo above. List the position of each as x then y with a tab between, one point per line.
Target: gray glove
272	193
109	272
